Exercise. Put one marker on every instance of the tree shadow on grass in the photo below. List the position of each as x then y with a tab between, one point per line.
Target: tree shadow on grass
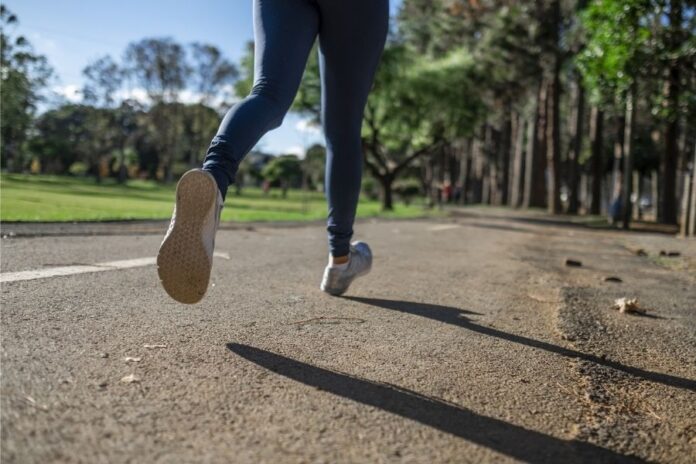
95	191
497	435
456	316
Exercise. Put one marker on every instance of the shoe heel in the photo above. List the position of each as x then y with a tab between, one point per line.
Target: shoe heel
183	261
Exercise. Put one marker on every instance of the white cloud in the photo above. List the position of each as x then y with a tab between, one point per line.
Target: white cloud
70	92
307	127
73	94
186	96
297	150
189	97
42	42
138	94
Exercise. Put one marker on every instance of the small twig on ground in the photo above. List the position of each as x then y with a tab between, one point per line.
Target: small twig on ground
539	299
31	401
336	320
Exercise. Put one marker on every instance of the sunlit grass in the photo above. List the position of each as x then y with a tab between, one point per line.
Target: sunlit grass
53	198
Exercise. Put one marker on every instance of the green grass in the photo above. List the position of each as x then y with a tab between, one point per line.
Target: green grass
53	198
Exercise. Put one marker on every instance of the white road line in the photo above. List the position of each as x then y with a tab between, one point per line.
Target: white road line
83	268
442	227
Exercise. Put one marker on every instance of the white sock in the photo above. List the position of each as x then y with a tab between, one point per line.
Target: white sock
339	266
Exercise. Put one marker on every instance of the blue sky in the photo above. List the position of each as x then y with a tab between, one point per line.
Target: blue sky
71	33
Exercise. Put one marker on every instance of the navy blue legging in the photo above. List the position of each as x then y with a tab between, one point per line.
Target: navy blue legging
351	38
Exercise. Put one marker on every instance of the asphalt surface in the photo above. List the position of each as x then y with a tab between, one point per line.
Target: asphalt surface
471	341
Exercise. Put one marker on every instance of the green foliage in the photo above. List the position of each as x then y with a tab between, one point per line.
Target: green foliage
408	189
197	122
211	71
162	67
309	94
159	65
104	77
78	169
509	54
435	84
615	50
243	85
410	107
284	169
453	72
314	165
62	137
23	75
369	187
436	27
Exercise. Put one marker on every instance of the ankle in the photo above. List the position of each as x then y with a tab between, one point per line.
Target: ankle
221	179
338	260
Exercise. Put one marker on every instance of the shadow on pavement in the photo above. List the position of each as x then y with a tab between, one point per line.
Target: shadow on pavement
572	222
503	437
457	317
504	228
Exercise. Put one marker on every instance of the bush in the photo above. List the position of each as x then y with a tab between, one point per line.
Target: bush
370	188
78	169
407	189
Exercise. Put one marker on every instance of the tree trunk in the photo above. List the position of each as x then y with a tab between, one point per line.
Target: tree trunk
628	158
553	140
492	152
175	147
535	179
436	181
453	166
168	173
506	145
238	183
596	138
574	159
193	148
465	172
671	154
691	228
477	167
553	130
122	169
387	183
517	165
616	179
425	178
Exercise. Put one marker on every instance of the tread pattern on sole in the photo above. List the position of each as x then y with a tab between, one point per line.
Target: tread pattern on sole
183	262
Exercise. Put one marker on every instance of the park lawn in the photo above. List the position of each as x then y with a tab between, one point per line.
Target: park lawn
33	198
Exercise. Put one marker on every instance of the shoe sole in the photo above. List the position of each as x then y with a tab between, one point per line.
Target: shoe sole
183	263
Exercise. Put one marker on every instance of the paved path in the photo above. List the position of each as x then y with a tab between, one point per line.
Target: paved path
470	341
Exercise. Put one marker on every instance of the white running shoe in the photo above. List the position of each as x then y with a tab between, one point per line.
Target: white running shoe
337	280
185	257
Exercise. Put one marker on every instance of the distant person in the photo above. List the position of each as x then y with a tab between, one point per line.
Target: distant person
447	191
616	204
351	38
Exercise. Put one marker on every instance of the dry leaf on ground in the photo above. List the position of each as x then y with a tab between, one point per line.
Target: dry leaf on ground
131	359
628	305
130	379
